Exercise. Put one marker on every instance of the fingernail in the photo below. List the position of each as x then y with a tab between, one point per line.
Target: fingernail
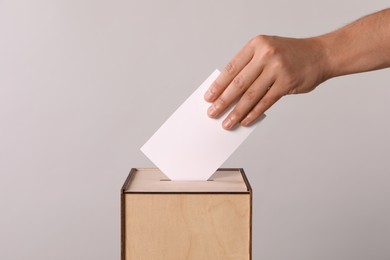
212	111
209	95
227	123
245	122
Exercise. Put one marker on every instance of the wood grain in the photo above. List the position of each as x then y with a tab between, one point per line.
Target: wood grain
187	226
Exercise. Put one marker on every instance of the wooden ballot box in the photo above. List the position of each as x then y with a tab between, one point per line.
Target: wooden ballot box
186	220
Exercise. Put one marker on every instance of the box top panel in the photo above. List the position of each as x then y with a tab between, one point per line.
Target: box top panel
152	180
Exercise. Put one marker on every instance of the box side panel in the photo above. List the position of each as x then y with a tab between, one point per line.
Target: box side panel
123	224
251	207
251	221
249	188
187	226
123	189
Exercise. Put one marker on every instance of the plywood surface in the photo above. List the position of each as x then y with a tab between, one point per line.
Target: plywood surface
187	226
153	180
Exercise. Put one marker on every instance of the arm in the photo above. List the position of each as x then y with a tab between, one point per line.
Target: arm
270	67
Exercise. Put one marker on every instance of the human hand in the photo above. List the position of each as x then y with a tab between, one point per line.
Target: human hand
263	71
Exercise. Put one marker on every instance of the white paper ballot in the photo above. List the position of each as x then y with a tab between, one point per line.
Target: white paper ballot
190	145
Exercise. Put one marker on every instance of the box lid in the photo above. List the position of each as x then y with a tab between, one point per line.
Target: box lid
152	180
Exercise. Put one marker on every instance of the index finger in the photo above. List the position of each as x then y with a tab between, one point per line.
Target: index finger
231	70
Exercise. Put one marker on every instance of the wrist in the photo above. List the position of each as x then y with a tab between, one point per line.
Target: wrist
326	58
324	64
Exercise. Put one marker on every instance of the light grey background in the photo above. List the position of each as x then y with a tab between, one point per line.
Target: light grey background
83	84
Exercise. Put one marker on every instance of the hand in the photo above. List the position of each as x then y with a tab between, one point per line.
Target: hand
265	69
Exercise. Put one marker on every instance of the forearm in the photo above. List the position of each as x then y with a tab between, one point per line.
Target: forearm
363	45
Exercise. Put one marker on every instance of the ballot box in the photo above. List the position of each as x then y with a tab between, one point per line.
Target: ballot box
186	220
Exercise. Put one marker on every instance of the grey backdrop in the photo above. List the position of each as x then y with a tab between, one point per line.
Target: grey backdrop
83	84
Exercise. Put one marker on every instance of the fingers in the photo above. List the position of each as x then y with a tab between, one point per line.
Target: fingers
231	70
270	98
235	89
249	99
